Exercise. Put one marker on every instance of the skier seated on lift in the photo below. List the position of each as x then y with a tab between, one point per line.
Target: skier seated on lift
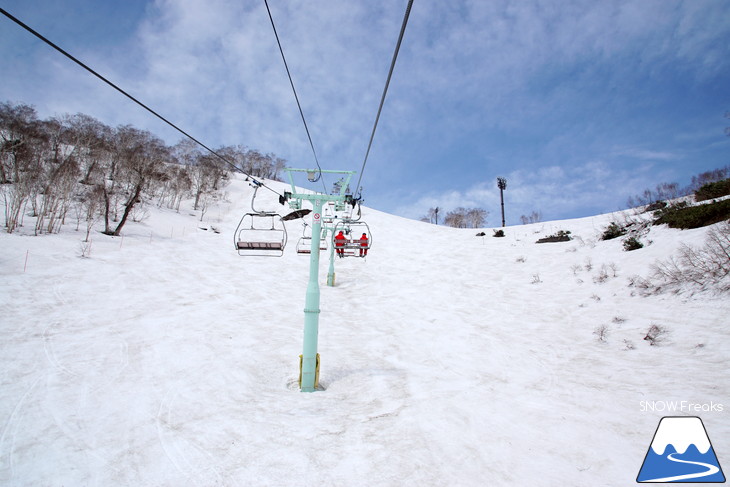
340	244
364	245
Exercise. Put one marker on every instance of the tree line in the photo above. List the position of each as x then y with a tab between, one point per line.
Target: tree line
670	191
459	218
76	165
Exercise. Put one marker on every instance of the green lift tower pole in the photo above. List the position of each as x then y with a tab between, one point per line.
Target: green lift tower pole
309	372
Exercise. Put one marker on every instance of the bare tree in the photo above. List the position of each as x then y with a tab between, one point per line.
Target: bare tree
709	177
60	173
207	177
456	218
90	203
57	195
476	217
534	217
21	164
141	159
176	184
667	191
466	217
91	141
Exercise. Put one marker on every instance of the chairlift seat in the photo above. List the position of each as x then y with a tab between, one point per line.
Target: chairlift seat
260	246
304	245
355	244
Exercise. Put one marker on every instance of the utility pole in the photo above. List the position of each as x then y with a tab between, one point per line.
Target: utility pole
502	185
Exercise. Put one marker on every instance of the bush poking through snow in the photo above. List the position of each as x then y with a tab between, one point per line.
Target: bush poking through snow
632	243
601	333
614	230
560	236
602	275
656	206
640	282
717	189
704	267
683	216
655	335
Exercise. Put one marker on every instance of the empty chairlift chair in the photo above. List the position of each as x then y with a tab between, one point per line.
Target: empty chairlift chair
260	234
304	245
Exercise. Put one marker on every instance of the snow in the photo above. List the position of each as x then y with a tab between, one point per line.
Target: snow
166	359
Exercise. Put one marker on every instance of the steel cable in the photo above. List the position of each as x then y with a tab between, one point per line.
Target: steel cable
385	90
296	97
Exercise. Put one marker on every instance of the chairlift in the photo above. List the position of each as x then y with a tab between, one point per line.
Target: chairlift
260	233
304	245
328	213
353	245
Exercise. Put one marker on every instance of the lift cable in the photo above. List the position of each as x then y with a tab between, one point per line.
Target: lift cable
41	37
291	82
385	90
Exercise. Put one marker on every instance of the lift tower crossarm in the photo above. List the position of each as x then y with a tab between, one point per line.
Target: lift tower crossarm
310	173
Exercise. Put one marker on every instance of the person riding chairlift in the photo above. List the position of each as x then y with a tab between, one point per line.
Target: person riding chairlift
340	244
364	245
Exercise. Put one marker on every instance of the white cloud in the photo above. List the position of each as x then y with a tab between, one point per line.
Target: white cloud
647	155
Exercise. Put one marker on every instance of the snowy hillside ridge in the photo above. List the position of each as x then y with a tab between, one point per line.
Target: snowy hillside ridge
681	432
164	358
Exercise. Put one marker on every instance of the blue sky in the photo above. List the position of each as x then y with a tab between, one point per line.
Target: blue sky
579	104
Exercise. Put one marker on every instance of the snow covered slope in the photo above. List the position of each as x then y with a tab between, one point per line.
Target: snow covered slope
447	359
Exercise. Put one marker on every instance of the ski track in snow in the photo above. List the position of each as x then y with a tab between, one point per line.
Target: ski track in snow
12	426
193	462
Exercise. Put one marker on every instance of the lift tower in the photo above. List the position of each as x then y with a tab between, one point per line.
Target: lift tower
309	365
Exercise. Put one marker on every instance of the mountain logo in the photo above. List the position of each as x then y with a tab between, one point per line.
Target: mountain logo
680	452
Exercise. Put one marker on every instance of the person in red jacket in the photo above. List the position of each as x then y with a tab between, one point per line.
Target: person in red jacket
364	245
340	244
